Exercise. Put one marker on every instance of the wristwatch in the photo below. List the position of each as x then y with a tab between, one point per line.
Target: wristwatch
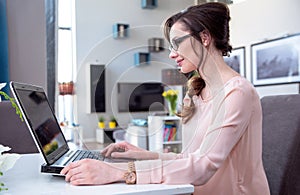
130	175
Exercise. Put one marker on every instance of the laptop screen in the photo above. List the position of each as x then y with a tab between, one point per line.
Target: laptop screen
41	120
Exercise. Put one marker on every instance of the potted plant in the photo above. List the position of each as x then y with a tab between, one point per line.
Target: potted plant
101	122
113	122
7	160
12	101
171	96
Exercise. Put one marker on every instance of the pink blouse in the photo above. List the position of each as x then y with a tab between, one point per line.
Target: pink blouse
222	146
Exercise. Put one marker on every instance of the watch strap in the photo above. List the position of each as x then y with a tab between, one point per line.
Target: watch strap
130	175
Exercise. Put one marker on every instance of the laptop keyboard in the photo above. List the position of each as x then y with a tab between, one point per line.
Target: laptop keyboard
88	154
82	154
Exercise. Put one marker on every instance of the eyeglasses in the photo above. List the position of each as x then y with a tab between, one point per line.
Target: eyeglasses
175	42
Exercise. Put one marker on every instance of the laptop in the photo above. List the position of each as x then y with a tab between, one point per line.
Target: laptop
45	129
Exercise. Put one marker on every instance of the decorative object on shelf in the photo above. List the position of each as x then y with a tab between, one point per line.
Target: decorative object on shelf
141	58
276	61
7	161
112	123
156	44
173	76
171	96
120	30
138	135
101	123
170	131
149	4
66	88
165	134
236	60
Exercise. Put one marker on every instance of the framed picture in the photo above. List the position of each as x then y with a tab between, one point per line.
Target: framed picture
276	61
96	82
236	60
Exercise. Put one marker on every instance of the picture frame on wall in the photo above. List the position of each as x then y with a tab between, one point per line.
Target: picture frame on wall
276	61
96	87
236	60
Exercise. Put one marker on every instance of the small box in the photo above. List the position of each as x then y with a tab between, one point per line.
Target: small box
141	58
149	4
120	30
156	44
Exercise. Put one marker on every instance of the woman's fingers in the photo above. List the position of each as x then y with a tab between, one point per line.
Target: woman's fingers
71	170
123	150
112	148
106	148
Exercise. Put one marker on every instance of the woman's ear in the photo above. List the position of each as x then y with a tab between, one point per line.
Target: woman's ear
205	38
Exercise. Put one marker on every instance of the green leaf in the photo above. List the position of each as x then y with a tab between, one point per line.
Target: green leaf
13	103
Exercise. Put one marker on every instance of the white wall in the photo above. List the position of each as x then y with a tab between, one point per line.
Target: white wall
252	21
27	41
95	44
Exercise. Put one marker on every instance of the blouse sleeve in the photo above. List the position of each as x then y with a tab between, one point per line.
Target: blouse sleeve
169	156
231	115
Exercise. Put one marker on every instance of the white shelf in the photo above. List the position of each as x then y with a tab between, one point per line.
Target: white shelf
156	128
172	142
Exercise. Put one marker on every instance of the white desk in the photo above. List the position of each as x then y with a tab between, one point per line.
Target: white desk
25	178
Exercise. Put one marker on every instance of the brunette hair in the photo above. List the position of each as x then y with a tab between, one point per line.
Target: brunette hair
213	17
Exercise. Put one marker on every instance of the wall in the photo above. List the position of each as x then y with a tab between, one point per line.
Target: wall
255	21
252	21
27	41
95	45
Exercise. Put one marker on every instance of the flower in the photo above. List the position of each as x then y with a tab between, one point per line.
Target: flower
7	161
171	95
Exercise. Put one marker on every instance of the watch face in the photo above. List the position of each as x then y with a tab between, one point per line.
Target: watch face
130	178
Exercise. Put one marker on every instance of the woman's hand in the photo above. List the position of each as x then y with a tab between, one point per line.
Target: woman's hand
127	150
93	172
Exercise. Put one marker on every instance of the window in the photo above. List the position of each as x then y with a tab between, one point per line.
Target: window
66	53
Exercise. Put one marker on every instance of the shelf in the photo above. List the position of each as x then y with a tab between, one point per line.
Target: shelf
141	58
120	30
172	142
149	4
156	44
165	133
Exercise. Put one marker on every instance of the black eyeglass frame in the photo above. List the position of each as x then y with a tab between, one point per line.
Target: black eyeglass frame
174	44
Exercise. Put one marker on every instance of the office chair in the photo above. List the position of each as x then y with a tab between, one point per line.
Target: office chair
281	143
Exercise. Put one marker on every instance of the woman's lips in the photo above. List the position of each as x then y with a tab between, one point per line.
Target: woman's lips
179	63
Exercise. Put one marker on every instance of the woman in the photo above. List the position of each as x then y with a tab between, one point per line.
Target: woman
222	141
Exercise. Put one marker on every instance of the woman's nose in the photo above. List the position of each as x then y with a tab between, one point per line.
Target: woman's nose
173	54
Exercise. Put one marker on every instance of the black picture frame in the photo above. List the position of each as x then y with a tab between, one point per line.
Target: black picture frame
276	61
97	88
236	60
